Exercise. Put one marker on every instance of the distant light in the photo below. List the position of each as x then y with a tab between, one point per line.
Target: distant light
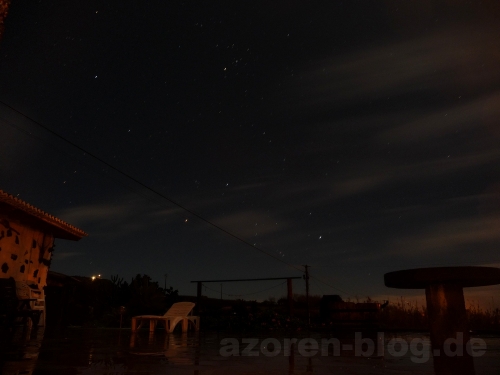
99	276
93	278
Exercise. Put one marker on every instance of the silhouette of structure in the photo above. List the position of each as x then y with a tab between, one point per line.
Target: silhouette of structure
446	308
4	9
26	244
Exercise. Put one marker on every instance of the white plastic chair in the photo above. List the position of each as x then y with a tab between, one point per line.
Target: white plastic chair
179	312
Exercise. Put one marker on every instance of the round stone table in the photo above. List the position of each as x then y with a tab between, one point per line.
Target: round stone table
444	294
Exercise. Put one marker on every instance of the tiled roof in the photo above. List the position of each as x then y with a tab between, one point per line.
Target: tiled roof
62	229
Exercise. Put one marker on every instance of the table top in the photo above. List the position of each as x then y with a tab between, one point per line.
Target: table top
420	278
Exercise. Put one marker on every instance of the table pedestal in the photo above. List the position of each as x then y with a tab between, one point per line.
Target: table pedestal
447	316
446	310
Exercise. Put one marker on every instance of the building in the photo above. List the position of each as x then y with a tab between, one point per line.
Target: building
4	9
27	237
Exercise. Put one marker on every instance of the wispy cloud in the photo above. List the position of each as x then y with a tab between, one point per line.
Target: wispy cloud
124	214
476	114
407	66
397	99
450	236
251	223
101	213
367	176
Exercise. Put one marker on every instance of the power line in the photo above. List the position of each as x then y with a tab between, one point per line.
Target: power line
320	288
159	194
60	151
154	191
330	285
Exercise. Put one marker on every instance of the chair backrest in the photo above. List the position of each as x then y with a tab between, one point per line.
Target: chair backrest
23	290
180	309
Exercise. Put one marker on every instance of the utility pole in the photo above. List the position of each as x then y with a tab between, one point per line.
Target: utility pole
199	285
306	277
165	281
289	296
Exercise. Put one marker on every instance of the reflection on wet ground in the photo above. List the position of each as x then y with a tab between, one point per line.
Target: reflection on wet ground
110	351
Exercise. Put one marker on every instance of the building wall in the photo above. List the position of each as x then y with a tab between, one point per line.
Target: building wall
4	9
25	252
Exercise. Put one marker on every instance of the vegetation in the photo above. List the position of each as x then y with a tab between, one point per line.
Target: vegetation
111	303
107	303
484	320
404	315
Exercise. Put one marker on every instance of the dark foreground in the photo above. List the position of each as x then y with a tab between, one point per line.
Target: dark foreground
113	352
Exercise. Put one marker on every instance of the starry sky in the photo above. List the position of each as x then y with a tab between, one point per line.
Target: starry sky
358	137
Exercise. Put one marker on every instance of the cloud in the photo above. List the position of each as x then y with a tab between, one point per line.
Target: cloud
478	113
250	224
408	111
464	60
356	184
102	213
124	214
367	176
450	236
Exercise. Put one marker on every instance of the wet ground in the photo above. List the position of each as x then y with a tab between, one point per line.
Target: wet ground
118	352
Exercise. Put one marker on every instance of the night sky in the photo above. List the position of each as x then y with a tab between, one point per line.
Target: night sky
359	137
